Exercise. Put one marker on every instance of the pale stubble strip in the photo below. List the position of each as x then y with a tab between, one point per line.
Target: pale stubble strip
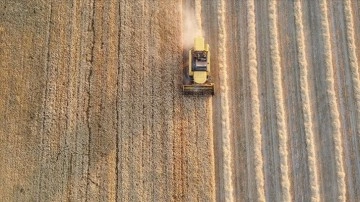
225	119
279	102
306	107
255	103
334	111
350	36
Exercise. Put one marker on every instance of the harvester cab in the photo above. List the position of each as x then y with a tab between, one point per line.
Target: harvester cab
197	80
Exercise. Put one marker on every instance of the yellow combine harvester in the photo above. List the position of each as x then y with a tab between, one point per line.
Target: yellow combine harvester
197	78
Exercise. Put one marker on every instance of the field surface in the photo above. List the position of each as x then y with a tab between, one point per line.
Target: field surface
91	107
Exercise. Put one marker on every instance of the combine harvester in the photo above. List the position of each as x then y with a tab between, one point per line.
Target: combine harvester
197	77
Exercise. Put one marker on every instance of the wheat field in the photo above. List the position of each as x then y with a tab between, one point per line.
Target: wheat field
91	107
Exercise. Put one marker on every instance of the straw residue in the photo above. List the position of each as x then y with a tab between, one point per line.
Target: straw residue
350	36
306	107
255	103
279	101
334	111
225	120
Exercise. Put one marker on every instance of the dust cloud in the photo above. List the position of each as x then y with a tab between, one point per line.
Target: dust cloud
191	25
